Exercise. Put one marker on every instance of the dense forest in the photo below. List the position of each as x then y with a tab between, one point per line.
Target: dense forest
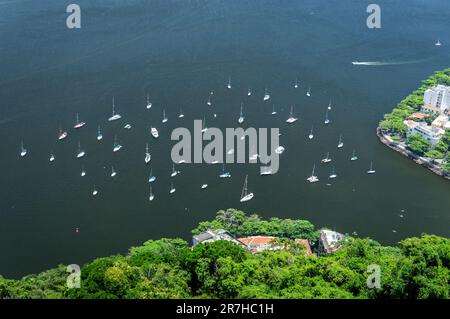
171	268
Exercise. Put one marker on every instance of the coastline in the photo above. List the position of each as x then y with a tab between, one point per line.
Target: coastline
386	140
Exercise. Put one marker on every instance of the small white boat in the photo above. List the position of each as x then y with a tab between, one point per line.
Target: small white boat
154	132
52	157
332	174
23	150
371	170
354	157
165	119
249	92
265	171
266	95
340	143
95	192
174	171
245	195
311	134
149	104
113	172
438	43
329	106
209	103
224	174
308	93
83	172
279	150
326	159
115	116
62	134
230	151
117	146
327	120
241	115
151	196
151	177
204	127
172	189
148	157
313	178
229	82
204	186
273	110
78	123
296	84
127	126
99	134
292	118
181	115
80	152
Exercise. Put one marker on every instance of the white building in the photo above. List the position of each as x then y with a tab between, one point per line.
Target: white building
438	97
212	235
330	241
430	133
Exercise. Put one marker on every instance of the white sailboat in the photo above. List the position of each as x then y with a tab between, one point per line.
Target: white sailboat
327	120
117	146
354	157
52	157
154	132
279	150
174	171
291	119
229	82
326	159
80	152
83	172
204	127
296	84
113	172
438	43
78	123
99	134
172	189
204	186
241	115
311	133
308	93
273	110
95	191
209	103
371	170
332	174
249	92
23	150
266	95
151	196
181	115
245	195
148	157
165	119
149	104
62	134
115	116
340	143
224	174
329	105
127	126
313	178
151	177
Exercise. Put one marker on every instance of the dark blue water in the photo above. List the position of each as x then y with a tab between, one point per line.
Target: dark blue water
178	51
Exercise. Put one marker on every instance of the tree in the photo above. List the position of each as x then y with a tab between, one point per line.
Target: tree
417	144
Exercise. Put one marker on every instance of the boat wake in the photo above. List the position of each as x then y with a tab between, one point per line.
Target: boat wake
381	63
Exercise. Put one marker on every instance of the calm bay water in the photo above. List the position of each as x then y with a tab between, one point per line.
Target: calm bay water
178	51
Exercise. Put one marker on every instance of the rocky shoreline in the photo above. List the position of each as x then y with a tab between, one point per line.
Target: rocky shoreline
402	149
